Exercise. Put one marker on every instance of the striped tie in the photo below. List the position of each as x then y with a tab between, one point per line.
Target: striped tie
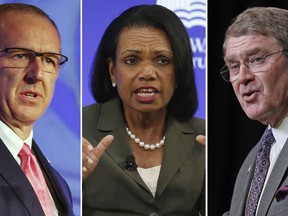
34	174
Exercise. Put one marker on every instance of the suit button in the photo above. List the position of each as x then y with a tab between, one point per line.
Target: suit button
153	214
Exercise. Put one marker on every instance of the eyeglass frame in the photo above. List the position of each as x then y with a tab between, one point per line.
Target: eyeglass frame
225	68
39	54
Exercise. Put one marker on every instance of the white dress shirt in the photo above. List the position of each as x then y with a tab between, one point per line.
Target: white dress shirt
15	144
281	135
12	141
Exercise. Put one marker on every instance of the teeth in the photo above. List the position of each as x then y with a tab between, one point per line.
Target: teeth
146	95
30	94
147	90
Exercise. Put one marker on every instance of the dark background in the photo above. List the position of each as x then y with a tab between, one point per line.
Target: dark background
230	133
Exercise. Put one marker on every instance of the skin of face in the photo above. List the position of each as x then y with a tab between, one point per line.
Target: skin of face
263	96
26	92
144	70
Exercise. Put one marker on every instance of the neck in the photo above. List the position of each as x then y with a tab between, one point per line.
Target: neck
146	121
21	130
150	128
279	123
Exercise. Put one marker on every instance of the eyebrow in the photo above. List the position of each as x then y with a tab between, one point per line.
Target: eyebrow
140	51
253	51
247	53
130	51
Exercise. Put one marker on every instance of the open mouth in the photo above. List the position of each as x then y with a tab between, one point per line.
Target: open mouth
30	94
250	95
146	94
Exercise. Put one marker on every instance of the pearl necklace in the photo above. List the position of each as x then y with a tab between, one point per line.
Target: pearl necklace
145	145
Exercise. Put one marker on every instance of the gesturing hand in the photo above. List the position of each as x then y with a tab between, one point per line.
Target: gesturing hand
91	156
201	139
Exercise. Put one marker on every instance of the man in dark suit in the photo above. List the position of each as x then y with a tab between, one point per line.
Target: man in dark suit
256	57
30	57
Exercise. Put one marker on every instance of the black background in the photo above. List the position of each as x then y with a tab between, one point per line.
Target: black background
230	133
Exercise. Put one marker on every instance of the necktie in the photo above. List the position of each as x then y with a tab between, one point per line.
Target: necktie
34	174
260	172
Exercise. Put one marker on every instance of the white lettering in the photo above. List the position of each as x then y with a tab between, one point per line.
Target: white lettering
199	63
198	45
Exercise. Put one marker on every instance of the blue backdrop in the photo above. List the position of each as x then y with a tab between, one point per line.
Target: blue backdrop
58	131
97	15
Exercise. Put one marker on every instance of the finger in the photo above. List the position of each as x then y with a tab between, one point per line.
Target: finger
84	169
86	145
87	152
201	139
90	158
102	146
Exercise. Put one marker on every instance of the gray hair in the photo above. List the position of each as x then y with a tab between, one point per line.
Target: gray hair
268	21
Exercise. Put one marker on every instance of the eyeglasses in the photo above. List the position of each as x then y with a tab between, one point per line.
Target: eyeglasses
256	64
22	57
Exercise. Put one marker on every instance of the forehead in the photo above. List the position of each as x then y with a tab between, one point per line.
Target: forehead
143	37
248	45
28	31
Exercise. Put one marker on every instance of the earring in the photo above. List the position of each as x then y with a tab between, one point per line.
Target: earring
113	84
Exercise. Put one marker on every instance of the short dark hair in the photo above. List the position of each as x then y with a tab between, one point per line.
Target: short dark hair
184	102
26	8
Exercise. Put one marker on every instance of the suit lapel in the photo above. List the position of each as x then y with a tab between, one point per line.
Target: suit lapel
119	152
245	181
15	177
274	181
61	201
177	146
112	122
243	186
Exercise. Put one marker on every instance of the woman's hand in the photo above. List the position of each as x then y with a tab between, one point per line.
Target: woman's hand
91	156
201	139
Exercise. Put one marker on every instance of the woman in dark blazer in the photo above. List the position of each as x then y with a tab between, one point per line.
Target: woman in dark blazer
143	81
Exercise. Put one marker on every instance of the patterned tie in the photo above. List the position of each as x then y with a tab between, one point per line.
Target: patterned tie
34	174
260	172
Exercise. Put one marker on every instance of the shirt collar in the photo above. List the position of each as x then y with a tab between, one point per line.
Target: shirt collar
281	132
12	141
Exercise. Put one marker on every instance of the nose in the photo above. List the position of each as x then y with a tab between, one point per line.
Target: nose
148	72
245	74
35	71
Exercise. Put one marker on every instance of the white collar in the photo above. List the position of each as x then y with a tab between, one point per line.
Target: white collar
12	141
281	133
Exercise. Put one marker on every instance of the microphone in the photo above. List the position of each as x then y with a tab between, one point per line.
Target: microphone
130	163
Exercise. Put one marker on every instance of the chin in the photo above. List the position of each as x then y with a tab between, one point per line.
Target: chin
256	115
30	115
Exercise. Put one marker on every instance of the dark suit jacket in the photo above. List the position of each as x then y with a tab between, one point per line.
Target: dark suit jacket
113	190
278	177
17	197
